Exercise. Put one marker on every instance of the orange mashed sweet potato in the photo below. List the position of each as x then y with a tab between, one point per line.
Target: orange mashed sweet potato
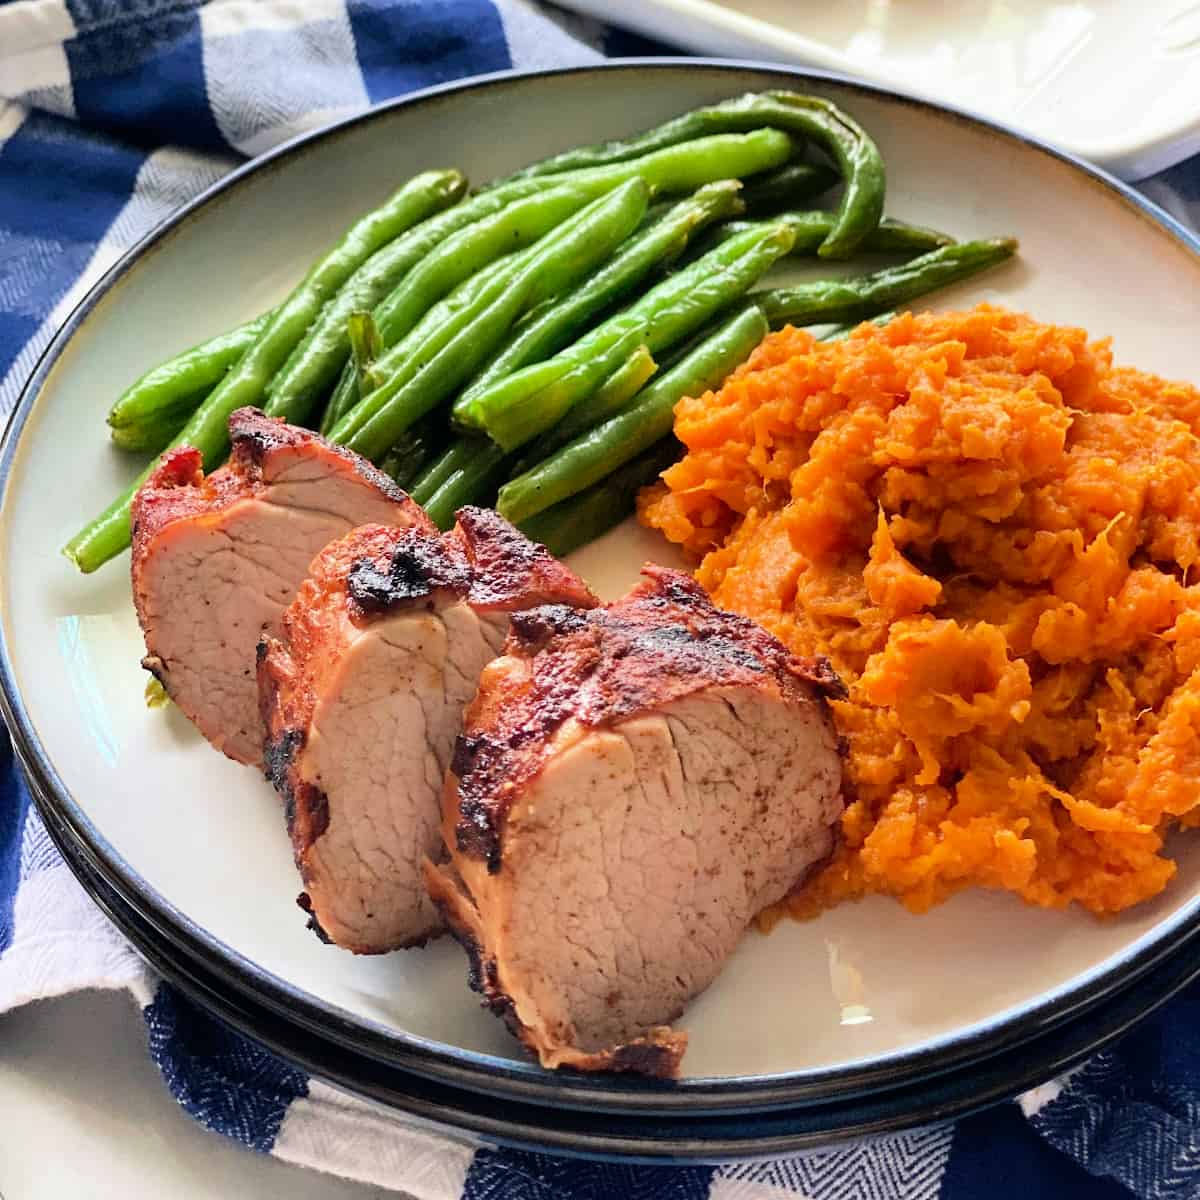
994	534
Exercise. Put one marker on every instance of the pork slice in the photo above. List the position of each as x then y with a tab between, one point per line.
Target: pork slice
362	694
633	785
217	558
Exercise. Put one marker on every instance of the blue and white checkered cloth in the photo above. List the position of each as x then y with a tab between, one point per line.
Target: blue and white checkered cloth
113	113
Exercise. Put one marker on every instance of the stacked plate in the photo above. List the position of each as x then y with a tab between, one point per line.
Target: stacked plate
1114	81
865	1019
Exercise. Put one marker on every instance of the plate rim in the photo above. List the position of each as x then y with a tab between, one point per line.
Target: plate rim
488	1072
1167	145
970	1088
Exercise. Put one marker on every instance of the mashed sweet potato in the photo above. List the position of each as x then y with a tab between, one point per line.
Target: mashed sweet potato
994	534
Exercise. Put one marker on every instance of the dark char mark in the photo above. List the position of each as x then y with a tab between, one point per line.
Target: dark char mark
420	566
303	902
278	754
645	1058
254	437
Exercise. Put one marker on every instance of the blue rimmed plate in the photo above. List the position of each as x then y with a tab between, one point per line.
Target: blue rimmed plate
641	1137
863	998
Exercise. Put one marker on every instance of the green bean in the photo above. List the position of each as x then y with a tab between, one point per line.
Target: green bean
556	399
520	223
836	133
691	127
600	451
207	430
447	320
392	265
811	228
194	373
610	397
399	363
444	322
379	419
365	343
345	396
595	405
673	170
787	186
850	299
472	481
416	448
582	518
471	467
444	311
547	331
515	409
684	168
154	433
455	456
313	365
460	256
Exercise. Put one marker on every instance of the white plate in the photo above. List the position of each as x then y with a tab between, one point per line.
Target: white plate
203	839
1116	82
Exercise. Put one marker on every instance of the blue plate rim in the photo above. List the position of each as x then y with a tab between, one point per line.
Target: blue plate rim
678	1137
490	1073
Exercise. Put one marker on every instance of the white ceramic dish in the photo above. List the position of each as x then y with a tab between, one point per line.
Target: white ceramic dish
1116	82
200	841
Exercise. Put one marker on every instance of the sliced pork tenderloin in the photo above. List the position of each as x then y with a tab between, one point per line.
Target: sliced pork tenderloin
362	695
632	786
217	558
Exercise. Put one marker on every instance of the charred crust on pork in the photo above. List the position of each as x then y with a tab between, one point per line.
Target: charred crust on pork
820	673
307	810
304	903
663	641
476	835
278	753
483	561
254	437
156	667
535	627
420	566
645	1057
507	569
359	581
482	977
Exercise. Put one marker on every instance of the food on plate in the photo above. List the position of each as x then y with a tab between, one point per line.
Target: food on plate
610	443
786	186
459	340
810	117
810	227
217	558
483	264
554	326
639	782
246	384
991	531
362	695
634	784
518	407
151	411
858	298
443	357
594	455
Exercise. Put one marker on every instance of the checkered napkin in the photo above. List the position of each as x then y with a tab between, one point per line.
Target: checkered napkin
112	114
